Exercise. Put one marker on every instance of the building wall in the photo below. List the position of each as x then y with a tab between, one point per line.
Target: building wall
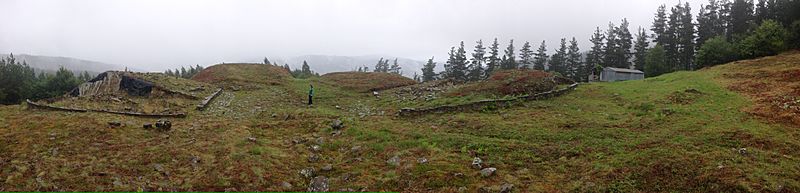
611	76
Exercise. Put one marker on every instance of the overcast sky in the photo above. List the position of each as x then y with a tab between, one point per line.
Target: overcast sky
161	34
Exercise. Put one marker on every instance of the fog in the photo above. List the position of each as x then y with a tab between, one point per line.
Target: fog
156	35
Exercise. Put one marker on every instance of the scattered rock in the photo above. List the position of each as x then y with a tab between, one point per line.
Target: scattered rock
422	160
462	189
476	163
486	172
274	115
164	125
394	161
505	188
251	139
337	124
458	175
338	107
313	158
54	151
318	184
327	167
147	126
286	186
376	94
52	136
114	124
308	172
316	148
742	151
336	132
355	149
158	167
319	140
195	160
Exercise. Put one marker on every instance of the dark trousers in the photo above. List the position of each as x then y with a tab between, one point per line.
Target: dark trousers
309	100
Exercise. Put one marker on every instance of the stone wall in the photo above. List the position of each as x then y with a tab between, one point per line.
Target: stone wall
203	104
408	112
33	105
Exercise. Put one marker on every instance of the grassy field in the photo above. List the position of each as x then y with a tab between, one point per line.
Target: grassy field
680	132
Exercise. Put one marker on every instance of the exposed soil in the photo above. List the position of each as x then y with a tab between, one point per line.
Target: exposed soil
772	82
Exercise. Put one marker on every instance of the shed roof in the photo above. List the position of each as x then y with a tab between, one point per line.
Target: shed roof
625	70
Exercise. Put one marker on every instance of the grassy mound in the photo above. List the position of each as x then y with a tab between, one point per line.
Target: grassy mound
243	75
509	82
367	81
772	82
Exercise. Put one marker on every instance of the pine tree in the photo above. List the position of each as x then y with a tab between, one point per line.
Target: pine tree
704	26
184	73
659	27
510	61
306	69
379	66
640	49
476	71
493	61
612	48
741	14
448	65
686	38
670	39
526	56
540	58
395	69
266	61
594	57
460	64
574	63
624	44
428	73
558	60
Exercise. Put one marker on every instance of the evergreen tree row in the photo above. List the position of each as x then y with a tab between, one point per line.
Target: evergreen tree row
383	66
567	61
183	73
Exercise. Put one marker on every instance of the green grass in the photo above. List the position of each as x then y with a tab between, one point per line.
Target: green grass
635	136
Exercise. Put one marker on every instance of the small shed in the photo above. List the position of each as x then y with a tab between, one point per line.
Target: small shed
611	74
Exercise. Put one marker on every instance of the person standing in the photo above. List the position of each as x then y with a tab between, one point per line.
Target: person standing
310	94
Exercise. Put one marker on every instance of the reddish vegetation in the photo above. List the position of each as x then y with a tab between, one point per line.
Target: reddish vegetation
772	82
510	82
243	74
367	81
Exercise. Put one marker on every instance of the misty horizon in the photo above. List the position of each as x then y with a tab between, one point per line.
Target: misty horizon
160	35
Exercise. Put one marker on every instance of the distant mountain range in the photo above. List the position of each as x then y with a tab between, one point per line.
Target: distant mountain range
53	63
327	64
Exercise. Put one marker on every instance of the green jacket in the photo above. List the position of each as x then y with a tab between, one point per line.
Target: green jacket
311	91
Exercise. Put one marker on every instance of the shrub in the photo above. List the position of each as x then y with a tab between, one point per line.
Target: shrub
715	51
768	39
656	62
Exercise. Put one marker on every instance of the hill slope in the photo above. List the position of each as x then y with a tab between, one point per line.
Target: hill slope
680	132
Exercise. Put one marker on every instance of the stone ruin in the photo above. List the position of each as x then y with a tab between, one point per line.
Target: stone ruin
114	83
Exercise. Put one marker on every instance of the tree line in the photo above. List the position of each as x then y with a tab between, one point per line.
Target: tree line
19	81
183	73
724	31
